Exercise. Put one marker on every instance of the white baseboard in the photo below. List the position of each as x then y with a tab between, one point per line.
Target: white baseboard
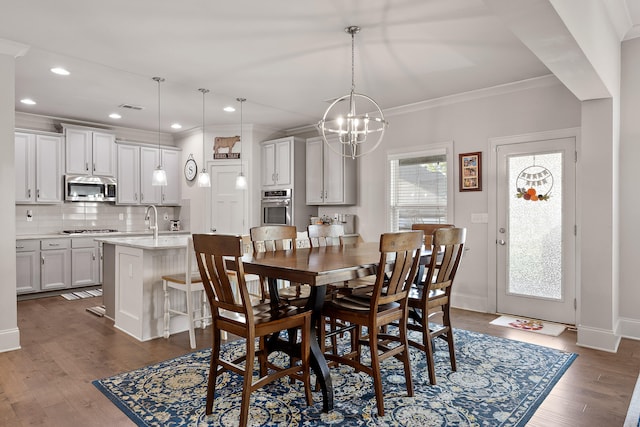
469	302
629	328
9	340
598	339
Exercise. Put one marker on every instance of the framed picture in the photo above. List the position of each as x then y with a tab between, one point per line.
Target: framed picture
471	171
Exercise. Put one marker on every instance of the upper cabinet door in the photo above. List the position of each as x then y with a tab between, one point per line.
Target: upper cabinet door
90	152
268	165
171	194
315	185
25	164
49	170
149	160
104	154
78	152
128	175
283	162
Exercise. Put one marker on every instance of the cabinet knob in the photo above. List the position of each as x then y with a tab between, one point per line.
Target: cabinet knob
29	193
86	166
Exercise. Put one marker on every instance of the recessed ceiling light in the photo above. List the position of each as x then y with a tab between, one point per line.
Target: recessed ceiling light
115	116
229	109
60	71
28	101
176	126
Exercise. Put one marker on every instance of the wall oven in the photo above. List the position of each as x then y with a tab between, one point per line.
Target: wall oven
277	207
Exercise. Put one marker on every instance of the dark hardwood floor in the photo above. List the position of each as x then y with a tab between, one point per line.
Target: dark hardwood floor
64	348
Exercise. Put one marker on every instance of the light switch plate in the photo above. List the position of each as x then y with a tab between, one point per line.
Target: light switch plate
479	218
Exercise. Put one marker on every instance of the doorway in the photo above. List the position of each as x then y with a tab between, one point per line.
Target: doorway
535	234
227	213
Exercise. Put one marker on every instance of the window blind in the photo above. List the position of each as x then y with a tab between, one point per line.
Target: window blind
418	191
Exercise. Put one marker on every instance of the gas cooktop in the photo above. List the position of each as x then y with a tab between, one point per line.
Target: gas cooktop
91	231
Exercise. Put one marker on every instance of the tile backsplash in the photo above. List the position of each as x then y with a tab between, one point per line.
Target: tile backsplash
48	219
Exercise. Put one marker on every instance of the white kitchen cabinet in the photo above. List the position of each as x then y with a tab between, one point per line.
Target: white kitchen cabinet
85	262
277	165
27	266
128	192
331	178
39	168
55	264
171	161
149	160
90	152
136	164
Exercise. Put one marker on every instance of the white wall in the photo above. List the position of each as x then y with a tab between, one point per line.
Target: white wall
469	124
629	308
9	333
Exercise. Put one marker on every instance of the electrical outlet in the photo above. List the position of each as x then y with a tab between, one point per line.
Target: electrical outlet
121	217
29	215
166	216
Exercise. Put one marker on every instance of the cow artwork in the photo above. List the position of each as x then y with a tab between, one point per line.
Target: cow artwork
224	142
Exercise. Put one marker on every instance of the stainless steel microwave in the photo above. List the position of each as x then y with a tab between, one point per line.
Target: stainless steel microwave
82	188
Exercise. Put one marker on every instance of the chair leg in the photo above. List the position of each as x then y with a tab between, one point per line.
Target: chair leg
192	333
167	316
428	348
406	359
449	335
248	382
213	371
375	370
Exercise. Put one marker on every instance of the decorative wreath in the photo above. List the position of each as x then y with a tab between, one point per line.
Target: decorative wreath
534	183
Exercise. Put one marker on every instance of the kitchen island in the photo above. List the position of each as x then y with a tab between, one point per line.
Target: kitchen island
132	283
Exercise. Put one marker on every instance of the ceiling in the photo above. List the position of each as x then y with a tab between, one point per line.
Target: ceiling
287	58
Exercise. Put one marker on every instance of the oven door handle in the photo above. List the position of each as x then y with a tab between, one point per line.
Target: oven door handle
275	203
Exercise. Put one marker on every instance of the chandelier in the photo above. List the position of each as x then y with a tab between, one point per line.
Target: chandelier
352	128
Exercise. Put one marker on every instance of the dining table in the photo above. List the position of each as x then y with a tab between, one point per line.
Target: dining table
318	267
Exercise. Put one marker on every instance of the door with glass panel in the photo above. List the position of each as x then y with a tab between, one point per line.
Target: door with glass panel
535	228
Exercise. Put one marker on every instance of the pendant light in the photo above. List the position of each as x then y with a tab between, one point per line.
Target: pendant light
203	179
353	128
159	174
241	180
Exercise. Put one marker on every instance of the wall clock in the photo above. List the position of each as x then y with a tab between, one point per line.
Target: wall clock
190	168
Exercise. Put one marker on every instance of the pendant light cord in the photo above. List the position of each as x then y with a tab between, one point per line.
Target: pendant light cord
159	80
204	92
241	101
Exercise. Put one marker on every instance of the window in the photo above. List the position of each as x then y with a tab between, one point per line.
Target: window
419	189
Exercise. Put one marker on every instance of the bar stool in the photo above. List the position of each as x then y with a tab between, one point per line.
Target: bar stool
191	284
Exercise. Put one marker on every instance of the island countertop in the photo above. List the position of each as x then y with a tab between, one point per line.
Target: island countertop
163	242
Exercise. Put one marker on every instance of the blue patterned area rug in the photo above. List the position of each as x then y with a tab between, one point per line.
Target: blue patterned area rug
499	382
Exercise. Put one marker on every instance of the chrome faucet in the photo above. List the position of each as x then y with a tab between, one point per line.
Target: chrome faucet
153	227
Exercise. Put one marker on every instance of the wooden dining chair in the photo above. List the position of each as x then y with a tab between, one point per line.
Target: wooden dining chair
386	304
433	295
234	313
269	238
428	229
325	234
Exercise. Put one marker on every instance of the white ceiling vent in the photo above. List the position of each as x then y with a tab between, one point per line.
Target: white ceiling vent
131	107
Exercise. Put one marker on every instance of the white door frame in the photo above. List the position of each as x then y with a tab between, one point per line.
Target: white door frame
492	262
